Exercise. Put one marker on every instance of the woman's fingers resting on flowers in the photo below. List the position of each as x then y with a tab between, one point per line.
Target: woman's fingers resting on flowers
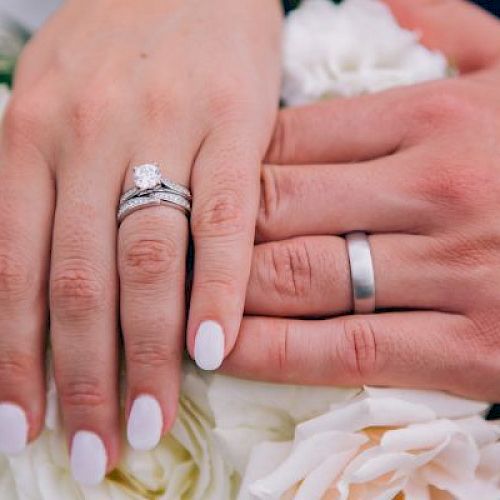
82	115
429	201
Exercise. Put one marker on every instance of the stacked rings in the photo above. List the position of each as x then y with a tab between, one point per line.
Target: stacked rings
152	189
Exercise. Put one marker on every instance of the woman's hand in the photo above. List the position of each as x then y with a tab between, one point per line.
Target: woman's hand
419	169
105	86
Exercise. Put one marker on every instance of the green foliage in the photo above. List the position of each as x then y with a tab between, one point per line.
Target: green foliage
12	40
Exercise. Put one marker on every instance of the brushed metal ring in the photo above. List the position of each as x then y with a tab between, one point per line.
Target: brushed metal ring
362	272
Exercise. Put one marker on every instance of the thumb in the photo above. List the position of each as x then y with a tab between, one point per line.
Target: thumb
468	35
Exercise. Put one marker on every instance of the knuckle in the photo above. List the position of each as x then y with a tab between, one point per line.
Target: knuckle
220	216
443	104
15	365
77	289
152	353
161	104
23	120
290	269
218	282
82	393
361	349
16	278
228	100
92	108
148	261
453	186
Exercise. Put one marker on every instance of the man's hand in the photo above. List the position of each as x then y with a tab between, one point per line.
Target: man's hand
419	169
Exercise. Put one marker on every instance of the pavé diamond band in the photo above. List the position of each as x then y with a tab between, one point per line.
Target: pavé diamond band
362	273
152	189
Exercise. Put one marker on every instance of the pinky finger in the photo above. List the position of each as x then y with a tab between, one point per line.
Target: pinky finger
405	349
24	255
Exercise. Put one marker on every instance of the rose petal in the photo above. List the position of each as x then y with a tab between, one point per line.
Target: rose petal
419	436
316	484
443	404
305	456
387	412
480	430
265	458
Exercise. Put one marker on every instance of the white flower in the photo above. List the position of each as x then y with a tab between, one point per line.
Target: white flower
247	413
384	443
349	49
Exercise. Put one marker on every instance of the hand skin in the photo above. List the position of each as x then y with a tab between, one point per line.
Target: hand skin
418	168
104	86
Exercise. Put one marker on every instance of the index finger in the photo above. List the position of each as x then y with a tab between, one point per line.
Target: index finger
225	199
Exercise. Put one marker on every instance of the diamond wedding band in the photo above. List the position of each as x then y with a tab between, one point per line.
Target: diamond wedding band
152	189
362	273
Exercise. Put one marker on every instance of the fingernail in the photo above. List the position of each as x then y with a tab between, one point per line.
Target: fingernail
209	346
88	458
13	429
145	423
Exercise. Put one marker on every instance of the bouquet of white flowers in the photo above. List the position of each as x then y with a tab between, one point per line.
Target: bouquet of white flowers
249	440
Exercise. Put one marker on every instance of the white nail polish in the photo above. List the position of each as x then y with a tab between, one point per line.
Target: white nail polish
145	423
13	429
88	458
209	346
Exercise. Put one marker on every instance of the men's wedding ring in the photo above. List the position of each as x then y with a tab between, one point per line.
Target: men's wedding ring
152	189
362	273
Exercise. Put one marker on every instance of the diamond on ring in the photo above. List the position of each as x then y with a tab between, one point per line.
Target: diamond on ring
152	189
147	176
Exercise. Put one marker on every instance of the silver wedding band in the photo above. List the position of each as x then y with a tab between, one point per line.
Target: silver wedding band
362	273
153	189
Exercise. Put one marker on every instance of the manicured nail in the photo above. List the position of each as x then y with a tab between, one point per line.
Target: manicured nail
88	458
209	346
145	423
13	429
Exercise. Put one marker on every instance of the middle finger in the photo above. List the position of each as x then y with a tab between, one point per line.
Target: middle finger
377	196
83	304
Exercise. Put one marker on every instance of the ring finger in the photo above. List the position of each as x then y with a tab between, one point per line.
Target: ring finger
310	276
152	247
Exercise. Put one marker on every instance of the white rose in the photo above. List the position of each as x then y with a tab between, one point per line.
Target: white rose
349	49
247	413
384	443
